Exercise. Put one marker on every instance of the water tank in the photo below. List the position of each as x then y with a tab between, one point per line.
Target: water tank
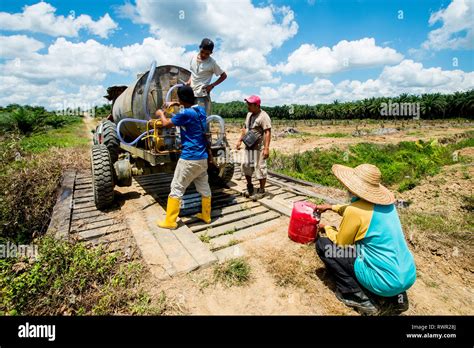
130	104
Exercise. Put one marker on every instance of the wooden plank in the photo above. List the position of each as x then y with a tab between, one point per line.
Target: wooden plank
286	195
304	191
179	257
82	187
239	225
244	234
153	254
102	231
230	253
230	218
216	212
187	240
84	209
276	204
61	215
92	213
82	225
84	199
77	223
83	193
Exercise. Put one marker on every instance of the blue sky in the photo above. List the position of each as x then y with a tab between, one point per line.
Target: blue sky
288	51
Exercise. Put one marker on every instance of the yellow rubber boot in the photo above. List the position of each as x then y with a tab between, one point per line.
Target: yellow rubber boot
206	210
172	211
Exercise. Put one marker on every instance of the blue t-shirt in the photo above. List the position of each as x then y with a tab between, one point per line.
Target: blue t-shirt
192	137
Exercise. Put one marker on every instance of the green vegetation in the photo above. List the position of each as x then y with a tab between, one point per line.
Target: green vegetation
31	166
432	106
205	238
69	278
336	135
402	164
28	119
233	272
66	136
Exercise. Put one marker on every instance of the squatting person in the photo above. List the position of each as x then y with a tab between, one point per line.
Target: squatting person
203	67
368	256
257	148
192	164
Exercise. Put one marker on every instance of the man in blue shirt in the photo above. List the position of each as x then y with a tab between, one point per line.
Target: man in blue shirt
192	164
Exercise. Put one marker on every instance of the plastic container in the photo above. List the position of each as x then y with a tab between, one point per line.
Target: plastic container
304	222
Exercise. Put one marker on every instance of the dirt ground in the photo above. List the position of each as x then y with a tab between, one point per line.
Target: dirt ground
289	278
310	137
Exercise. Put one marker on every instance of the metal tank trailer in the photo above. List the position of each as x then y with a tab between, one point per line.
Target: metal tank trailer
132	141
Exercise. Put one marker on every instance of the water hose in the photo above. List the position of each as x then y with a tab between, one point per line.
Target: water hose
167	99
151	73
139	137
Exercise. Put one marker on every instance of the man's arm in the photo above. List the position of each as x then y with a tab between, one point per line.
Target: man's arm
266	146
166	122
221	78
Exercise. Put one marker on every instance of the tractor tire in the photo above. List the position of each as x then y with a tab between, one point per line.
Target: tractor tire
102	176
110	139
227	172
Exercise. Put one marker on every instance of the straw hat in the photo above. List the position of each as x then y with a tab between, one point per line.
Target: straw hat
364	182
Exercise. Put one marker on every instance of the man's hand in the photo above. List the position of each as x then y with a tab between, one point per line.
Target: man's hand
209	88
321	227
266	152
238	145
159	112
169	104
323	207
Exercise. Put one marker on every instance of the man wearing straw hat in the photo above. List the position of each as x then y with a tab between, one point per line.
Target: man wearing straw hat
368	255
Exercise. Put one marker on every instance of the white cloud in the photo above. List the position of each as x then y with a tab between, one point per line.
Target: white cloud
41	18
55	95
18	46
228	96
90	61
457	29
245	33
406	77
344	55
74	72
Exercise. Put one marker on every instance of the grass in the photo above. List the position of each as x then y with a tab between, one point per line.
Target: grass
295	268
67	136
402	165
31	167
233	272
68	278
205	238
335	135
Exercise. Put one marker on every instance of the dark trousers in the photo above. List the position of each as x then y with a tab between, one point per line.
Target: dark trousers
339	261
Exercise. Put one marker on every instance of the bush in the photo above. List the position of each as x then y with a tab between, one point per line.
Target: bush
69	278
26	119
402	165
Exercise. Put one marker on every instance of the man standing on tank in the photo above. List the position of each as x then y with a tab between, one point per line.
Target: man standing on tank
203	67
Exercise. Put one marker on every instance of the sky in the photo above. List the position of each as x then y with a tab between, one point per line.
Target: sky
62	54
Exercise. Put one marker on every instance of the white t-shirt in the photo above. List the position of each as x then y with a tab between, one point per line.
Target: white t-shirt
201	74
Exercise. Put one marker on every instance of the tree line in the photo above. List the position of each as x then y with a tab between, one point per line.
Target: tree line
426	106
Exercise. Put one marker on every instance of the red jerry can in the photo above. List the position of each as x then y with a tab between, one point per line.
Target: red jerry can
304	222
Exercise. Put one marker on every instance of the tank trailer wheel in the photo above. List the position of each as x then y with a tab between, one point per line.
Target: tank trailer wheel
106	133
102	176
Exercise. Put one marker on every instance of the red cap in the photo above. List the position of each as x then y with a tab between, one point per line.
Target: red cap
253	99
